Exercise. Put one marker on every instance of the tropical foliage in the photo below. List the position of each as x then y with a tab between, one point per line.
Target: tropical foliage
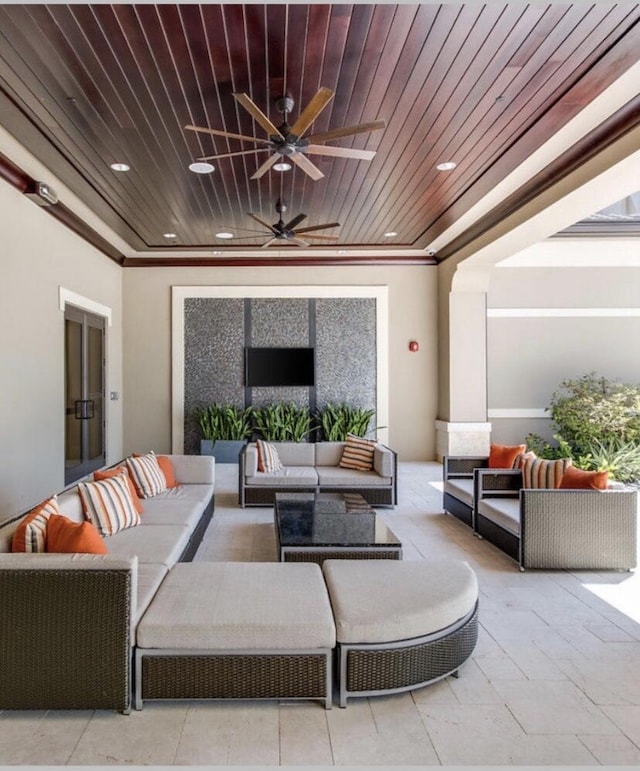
225	421
598	426
285	422
336	421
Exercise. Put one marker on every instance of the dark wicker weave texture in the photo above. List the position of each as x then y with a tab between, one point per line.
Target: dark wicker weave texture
397	668
64	639
320	556
277	676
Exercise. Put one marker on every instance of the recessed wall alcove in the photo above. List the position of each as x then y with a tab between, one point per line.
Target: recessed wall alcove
212	326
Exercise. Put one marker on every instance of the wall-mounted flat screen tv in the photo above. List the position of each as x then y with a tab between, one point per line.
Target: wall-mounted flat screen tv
279	367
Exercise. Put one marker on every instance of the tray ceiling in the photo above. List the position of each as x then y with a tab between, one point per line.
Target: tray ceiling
83	86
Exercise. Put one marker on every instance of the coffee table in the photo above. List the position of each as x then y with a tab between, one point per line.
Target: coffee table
313	527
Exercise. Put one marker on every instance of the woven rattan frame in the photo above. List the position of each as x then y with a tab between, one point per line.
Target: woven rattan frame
188	674
368	669
320	555
65	639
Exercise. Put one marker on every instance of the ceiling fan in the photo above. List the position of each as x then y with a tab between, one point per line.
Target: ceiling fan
290	232
287	141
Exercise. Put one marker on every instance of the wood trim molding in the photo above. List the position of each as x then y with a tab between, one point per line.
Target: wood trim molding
255	262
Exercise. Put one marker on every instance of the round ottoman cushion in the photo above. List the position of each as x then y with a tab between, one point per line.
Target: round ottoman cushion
377	601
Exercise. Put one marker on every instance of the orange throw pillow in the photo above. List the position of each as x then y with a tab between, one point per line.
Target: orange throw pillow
31	533
67	537
98	476
503	455
578	479
167	469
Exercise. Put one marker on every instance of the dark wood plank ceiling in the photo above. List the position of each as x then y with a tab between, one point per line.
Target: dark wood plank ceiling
82	86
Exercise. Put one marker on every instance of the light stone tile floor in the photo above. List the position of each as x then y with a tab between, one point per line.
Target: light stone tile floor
554	680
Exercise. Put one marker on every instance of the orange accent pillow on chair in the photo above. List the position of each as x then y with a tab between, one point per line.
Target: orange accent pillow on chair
503	455
167	469
579	479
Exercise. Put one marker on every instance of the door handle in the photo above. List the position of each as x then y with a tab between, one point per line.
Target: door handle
85	409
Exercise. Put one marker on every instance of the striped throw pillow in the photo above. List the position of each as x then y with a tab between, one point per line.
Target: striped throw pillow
358	453
31	533
268	458
540	473
108	504
148	478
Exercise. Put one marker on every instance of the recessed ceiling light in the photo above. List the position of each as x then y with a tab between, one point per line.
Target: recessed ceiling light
201	167
224	234
216	251
282	166
446	166
170	235
342	251
390	234
120	166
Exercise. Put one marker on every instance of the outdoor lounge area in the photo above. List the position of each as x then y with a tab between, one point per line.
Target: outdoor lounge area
427	214
554	678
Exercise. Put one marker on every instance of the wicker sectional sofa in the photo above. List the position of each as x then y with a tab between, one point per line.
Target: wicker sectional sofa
543	528
69	620
314	467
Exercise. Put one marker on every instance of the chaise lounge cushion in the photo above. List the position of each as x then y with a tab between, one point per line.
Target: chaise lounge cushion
383	601
239	606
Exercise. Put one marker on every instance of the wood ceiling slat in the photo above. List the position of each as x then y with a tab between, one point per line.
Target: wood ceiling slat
139	73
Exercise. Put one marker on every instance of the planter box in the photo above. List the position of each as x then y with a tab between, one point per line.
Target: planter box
223	450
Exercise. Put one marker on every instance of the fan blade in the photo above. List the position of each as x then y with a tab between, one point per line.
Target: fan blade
340	152
318	227
347	131
257	114
218	133
269	227
322	238
269	242
312	110
265	166
295	221
305	164
231	228
231	155
298	241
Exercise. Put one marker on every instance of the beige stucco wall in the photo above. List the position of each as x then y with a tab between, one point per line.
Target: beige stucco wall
412	316
38	256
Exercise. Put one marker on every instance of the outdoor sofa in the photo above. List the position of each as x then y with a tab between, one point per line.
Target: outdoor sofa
543	527
315	467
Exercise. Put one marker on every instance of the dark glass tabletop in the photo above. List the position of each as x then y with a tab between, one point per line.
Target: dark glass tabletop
329	519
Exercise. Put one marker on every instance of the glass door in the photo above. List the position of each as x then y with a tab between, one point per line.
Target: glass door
84	393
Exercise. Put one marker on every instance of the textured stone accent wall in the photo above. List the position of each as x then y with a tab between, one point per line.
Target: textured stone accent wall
342	330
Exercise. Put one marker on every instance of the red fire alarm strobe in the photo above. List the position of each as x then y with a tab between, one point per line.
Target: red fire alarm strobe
414	346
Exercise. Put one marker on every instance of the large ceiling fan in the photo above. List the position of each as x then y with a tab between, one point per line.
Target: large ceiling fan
288	141
290	232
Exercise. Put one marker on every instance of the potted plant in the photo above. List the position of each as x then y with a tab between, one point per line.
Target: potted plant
337	420
285	422
225	428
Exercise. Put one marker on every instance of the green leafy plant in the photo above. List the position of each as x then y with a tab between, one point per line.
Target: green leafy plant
285	422
225	421
598	426
336	421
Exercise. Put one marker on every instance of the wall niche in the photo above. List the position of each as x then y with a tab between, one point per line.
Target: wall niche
342	330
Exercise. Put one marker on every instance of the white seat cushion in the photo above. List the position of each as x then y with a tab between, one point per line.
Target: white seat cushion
503	511
462	489
334	476
162	544
385	601
239	606
290	476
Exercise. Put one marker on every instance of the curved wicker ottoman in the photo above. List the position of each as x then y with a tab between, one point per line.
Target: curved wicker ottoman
237	630
400	624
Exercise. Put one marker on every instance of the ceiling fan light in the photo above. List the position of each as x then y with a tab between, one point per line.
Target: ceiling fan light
201	167
446	166
224	234
282	166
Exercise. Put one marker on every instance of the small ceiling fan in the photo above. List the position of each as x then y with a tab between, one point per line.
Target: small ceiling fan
287	141
289	232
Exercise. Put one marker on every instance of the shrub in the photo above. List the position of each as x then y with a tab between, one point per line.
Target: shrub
225	421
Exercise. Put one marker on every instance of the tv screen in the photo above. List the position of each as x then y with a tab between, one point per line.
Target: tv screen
279	367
